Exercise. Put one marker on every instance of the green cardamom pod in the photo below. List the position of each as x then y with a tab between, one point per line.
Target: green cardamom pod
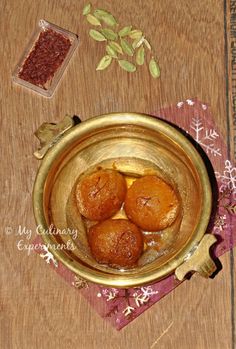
125	31
109	34
140	56
97	35
86	9
135	34
146	43
154	68
104	62
116	47
128	66
100	13
127	47
111	52
137	42
93	20
105	16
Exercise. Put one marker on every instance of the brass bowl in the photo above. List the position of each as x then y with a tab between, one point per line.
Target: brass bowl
134	144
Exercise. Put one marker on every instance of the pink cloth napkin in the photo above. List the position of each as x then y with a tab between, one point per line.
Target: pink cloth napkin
120	306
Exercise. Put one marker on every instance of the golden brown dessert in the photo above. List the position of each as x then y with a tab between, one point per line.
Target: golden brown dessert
151	203
100	194
116	242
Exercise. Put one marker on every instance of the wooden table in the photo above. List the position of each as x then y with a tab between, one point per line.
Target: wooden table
38	309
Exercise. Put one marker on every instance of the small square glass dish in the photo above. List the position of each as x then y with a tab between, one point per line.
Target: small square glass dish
45	58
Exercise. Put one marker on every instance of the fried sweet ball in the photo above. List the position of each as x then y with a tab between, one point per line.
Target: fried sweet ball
151	203
116	242
100	194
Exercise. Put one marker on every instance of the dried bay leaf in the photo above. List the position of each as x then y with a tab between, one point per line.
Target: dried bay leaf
127	66
96	35
125	31
93	20
140	56
86	9
127	47
109	34
104	62
154	68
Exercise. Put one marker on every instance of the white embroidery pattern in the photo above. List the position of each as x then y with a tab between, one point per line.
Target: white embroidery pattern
205	137
48	256
228	178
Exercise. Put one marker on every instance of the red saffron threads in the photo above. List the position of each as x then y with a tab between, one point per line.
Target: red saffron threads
47	56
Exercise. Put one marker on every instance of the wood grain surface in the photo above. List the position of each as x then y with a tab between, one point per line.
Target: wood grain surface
38	309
